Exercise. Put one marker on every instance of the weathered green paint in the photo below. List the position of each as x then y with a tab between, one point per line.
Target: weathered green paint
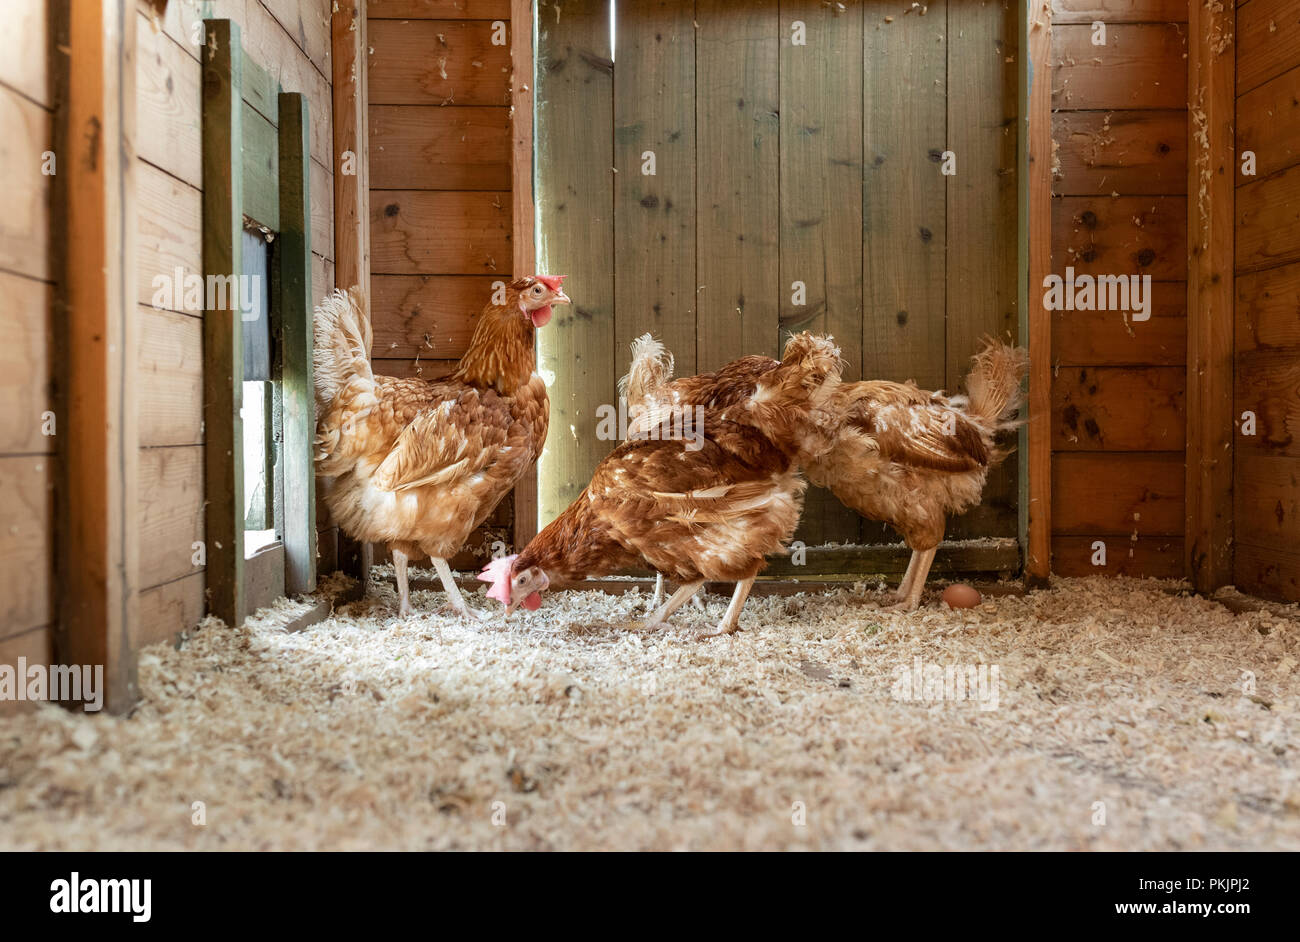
261	167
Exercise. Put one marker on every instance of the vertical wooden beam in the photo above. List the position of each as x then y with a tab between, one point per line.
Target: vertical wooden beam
95	219
1211	85
351	189
575	195
523	228
294	313
1036	495
223	347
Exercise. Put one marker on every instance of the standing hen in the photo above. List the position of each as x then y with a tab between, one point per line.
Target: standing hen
707	507
419	464
911	457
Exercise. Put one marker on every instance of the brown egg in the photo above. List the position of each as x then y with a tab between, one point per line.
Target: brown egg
960	595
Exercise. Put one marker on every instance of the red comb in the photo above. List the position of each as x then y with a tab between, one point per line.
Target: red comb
551	281
497	572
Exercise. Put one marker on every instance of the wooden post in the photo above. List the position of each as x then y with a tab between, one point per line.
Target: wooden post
1211	86
223	347
524	259
294	312
1036	494
351	191
95	228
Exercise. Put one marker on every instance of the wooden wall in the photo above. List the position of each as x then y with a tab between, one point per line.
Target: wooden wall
290	40
1267	315
27	454
440	187
775	163
1119	206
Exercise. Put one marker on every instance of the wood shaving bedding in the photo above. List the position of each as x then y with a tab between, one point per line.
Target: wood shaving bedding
563	730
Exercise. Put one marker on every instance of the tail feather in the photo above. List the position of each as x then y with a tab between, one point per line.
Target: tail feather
993	384
341	328
652	368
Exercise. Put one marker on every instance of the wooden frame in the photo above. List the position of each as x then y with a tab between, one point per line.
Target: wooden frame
95	246
1211	167
351	193
523	211
223	373
1036	228
292	313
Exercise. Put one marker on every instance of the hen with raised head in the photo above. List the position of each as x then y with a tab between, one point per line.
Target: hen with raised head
419	464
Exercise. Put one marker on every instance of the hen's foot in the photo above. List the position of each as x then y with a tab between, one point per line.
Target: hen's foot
648	625
720	631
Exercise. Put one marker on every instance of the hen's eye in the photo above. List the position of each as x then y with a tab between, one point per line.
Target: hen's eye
537	289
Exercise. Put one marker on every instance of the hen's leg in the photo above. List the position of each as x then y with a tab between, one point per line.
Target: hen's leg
731	621
659	592
905	586
454	598
926	557
679	598
403	593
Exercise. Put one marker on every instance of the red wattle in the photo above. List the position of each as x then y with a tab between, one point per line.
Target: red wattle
541	316
533	602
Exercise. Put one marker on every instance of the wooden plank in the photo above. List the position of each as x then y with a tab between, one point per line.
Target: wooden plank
1268	221
294	313
35	646
1119	11
905	226
1211	171
291	71
169	100
1129	152
25	222
351	147
1268	41
1113	338
439	9
654	214
1268	384
983	82
322	210
223	199
26	543
737	261
1109	494
414	368
309	25
433	315
96	217
575	199
24	50
169	518
437	62
423	232
1268	571
167	610
1126	235
259	90
523	213
424	147
170	368
1268	309
169	237
1157	557
821	99
261	161
1119	409
1268	501
1141	66
26	361
1268	125
1038	488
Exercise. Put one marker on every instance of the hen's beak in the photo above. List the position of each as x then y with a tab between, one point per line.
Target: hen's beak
560	298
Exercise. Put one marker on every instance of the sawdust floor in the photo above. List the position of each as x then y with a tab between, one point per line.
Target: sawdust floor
369	732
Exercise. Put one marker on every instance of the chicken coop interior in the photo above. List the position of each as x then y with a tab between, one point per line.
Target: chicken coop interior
203	497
